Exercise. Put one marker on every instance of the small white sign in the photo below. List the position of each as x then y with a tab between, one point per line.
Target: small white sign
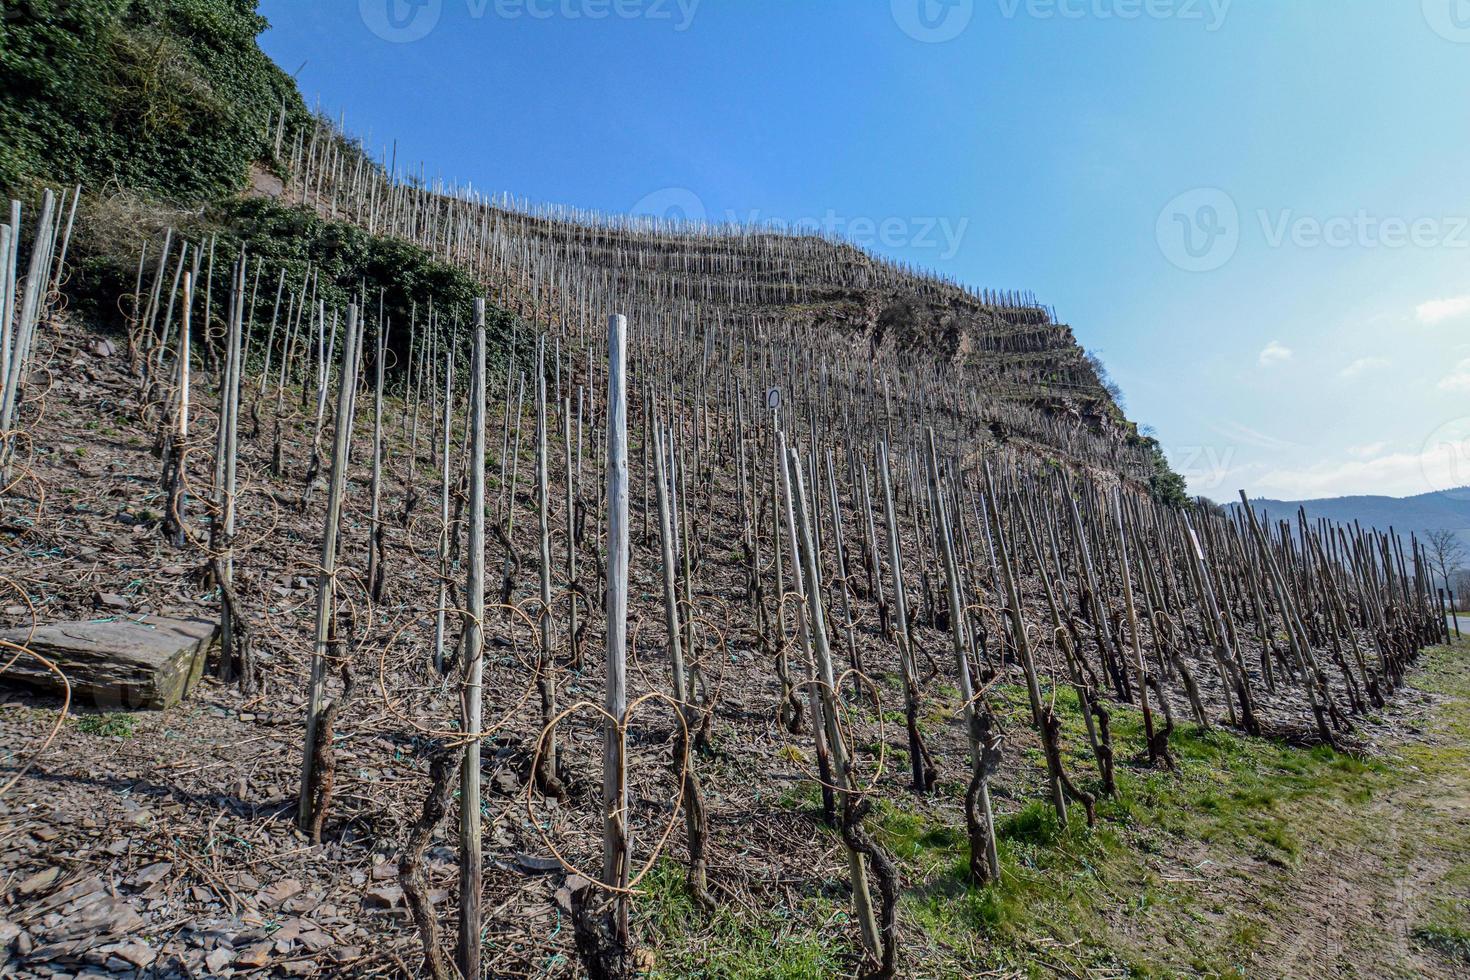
1198	551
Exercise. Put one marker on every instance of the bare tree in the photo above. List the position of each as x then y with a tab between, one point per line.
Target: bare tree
1461	581
1446	553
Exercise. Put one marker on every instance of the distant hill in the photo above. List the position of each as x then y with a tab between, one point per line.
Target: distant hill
1445	509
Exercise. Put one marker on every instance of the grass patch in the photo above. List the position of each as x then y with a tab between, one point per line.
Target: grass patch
1451	940
803	943
909	836
1065	892
115	724
805	796
1146	892
1446	928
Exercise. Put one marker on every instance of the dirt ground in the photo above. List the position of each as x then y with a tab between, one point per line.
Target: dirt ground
1380	883
1381	880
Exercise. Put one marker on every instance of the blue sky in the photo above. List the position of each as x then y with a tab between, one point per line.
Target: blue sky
1256	211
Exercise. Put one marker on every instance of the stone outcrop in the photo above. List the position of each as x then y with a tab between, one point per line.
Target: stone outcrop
151	663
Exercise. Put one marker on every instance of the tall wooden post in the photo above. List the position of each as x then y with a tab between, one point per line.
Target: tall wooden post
474	663
326	591
615	842
825	705
446	446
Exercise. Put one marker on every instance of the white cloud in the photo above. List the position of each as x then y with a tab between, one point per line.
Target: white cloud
1458	379
1398	474
1222	483
1236	432
1439	310
1273	354
1368	449
1443	463
1362	366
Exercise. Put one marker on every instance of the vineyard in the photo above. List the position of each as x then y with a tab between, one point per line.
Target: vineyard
592	595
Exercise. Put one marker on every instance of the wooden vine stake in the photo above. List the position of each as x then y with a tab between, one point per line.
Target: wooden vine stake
474	664
980	722
615	868
862	852
683	762
376	573
1157	741
603	940
546	764
924	772
307	806
6	295
233	643
800	586
16	341
176	434
445	533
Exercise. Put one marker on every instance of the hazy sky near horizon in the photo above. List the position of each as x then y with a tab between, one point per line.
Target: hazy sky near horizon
1257	212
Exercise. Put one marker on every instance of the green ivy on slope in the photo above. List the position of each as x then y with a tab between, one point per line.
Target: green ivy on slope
167	97
1166	486
351	264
